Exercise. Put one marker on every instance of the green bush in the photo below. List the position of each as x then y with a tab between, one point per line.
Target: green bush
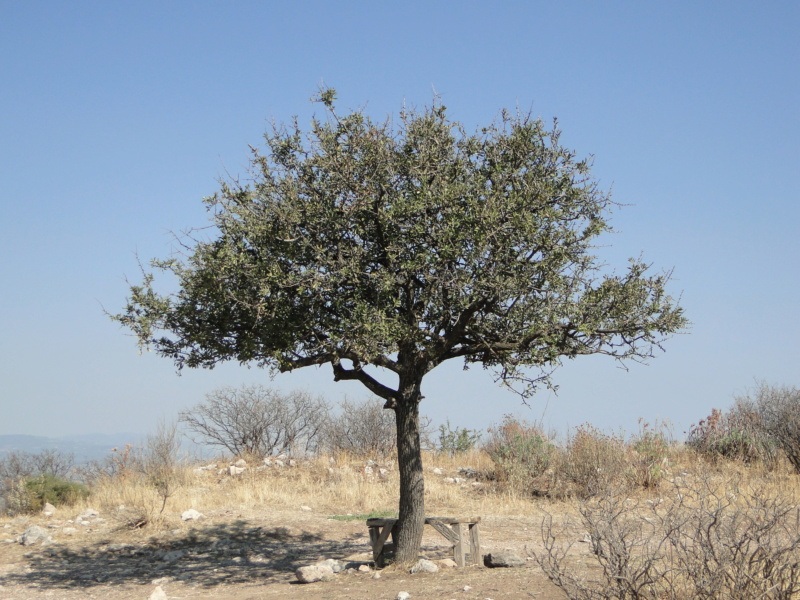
458	440
739	434
55	490
521	452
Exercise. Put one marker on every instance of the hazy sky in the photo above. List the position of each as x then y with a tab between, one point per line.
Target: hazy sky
116	118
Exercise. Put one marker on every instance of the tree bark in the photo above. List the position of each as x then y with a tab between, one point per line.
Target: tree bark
411	521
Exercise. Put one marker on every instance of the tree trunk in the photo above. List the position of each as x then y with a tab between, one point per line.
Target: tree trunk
408	535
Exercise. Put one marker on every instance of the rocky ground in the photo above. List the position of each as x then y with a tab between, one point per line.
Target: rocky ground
249	554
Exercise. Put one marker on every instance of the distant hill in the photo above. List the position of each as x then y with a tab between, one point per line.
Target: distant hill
85	447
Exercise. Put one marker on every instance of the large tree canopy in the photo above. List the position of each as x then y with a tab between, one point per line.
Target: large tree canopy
401	245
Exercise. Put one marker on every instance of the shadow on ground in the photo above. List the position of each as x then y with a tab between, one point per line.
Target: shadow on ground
228	553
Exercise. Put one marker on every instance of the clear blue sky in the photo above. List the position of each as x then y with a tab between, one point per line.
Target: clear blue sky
116	118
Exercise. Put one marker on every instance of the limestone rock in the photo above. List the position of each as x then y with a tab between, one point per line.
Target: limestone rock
190	515
333	565
424	566
158	594
402	596
313	573
35	535
503	559
48	509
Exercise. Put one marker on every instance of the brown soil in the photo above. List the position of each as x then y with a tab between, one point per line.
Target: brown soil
250	555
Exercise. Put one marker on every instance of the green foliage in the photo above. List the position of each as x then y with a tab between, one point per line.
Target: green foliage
55	490
738	434
402	245
521	453
458	440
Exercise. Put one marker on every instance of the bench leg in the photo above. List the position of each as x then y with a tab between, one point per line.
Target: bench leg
475	543
459	550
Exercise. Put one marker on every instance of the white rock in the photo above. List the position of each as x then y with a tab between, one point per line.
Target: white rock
191	515
87	514
234	470
332	564
35	535
158	594
424	566
48	509
306	508
313	573
241	463
364	569
437	471
292	462
402	596
279	463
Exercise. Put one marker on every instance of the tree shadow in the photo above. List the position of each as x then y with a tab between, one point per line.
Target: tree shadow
236	552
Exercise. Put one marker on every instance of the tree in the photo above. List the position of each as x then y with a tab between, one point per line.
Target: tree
258	421
385	249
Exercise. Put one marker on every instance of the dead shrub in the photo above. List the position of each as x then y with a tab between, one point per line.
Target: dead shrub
521	453
707	539
590	463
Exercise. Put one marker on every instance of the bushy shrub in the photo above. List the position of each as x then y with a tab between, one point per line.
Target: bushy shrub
591	462
17	468
778	416
521	453
458	440
740	434
55	490
650	448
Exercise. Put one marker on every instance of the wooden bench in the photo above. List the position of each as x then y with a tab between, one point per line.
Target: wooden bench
453	530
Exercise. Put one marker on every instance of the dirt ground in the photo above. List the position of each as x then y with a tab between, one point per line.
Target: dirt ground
250	555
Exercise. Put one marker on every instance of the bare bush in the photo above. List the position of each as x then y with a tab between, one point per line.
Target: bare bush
362	428
591	462
778	411
254	420
707	540
161	462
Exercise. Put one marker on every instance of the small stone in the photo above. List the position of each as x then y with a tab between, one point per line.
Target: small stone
364	569
376	575
48	509
158	594
241	463
503	559
190	515
305	508
437	471
234	470
424	566
402	596
87	514
313	573
467	588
